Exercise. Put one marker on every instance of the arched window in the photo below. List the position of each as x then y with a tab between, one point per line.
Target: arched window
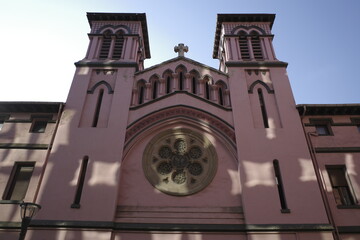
141	92
256	46
221	92
194	85
263	108
119	43
98	108
243	44
106	43
207	90
168	84
221	95
181	81
155	89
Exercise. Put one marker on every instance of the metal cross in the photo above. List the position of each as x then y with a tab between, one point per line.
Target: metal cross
180	49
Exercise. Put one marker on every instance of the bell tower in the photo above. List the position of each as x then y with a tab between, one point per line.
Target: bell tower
91	134
274	161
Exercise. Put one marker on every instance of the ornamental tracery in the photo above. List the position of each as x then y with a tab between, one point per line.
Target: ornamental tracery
179	162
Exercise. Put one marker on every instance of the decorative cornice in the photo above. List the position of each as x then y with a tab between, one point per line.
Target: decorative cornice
108	63
257	64
30	107
24	146
337	149
176	227
328	109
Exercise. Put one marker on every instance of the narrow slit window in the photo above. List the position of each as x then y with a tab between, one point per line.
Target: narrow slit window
280	187
155	89
207	90
194	90
341	186
221	96
141	94
98	108
81	181
181	81
19	181
263	108
168	84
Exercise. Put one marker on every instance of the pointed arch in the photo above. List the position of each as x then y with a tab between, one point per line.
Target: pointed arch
195	75
167	75
181	70
268	89
154	81
180	113
118	44
106	43
106	84
221	91
140	85
246	29
114	29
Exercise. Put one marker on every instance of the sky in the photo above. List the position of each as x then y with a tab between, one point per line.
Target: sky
41	40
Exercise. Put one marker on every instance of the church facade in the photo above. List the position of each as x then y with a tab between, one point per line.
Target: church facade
181	150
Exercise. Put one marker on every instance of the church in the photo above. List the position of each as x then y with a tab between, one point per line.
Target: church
180	150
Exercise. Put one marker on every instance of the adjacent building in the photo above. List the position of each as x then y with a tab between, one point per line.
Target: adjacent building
181	150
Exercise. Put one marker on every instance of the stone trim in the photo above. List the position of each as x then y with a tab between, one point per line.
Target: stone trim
178	227
349	229
337	149
257	64
24	146
108	63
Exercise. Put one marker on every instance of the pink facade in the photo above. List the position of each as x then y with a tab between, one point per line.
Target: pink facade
180	150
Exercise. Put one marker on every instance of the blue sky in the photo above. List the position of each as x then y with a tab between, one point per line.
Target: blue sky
319	39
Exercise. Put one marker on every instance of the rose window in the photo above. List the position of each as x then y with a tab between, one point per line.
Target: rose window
179	162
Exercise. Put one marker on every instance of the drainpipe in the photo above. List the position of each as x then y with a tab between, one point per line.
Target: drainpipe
319	176
48	150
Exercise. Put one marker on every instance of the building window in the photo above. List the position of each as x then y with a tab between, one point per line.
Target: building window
322	129
256	46
81	181
280	186
118	45
358	128
19	181
243	44
341	186
38	125
168	84
1	124
263	108
194	84
105	47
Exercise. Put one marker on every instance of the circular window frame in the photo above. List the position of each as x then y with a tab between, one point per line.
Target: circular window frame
194	183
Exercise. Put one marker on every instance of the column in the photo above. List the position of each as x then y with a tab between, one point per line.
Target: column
250	48
188	82
162	86
175	82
